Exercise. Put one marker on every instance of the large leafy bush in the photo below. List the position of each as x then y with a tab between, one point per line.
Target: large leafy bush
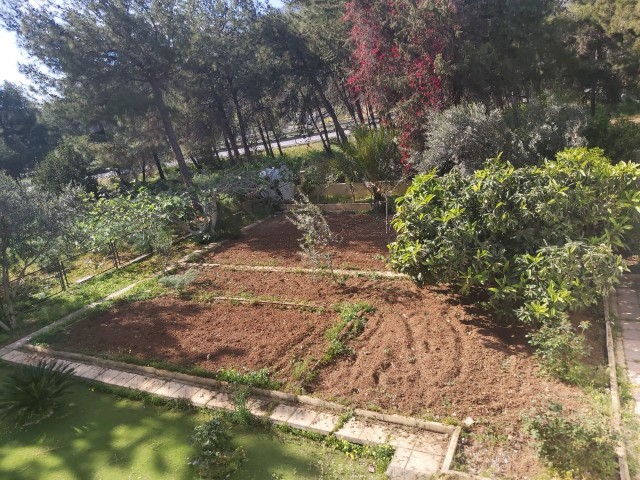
537	242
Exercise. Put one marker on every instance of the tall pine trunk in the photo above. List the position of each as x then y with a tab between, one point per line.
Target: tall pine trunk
171	135
158	166
342	137
241	124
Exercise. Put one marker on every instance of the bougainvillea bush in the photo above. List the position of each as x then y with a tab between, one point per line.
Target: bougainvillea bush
536	242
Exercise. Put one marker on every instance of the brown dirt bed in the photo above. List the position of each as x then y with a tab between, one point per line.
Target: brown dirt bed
362	243
422	352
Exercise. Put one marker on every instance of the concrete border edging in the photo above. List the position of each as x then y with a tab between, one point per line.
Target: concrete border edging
621	450
273	394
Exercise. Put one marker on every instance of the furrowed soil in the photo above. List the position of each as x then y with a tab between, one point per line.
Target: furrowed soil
423	351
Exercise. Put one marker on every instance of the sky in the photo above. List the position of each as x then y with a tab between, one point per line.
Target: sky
10	54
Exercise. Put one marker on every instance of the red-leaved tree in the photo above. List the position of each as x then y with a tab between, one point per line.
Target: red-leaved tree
401	49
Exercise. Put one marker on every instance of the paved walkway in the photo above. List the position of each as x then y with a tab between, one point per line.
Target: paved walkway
628	302
423	449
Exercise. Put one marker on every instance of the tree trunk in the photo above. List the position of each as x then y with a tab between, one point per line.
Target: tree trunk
324	129
241	124
230	155
195	162
371	116
277	137
171	135
342	137
7	293
216	154
325	145
264	140
229	137
359	111
594	85
144	169
266	132
343	96
158	166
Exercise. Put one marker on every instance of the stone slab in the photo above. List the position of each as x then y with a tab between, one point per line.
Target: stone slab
374	434
90	372
302	418
201	397
258	407
400	439
282	413
13	356
221	400
351	431
427	443
324	423
136	382
107	376
169	389
152	385
188	391
122	379
423	463
398	462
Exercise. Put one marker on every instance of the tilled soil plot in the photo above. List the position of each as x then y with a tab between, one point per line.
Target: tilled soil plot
423	351
361	243
216	336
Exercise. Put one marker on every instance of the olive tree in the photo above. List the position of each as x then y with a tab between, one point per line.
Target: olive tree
31	224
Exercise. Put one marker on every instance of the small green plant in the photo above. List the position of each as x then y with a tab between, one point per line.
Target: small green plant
216	457
31	393
258	378
179	281
351	324
579	444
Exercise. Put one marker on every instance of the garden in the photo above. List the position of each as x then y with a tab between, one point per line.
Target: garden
398	211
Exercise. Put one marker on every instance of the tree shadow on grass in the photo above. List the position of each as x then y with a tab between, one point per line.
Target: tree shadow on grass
99	436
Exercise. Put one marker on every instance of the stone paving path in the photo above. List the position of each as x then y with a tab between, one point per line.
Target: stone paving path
419	453
628	303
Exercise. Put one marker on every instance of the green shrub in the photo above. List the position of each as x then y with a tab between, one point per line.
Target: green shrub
179	281
216	457
316	235
581	445
537	242
464	136
31	393
618	137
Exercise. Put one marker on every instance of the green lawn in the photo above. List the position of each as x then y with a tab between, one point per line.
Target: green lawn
100	436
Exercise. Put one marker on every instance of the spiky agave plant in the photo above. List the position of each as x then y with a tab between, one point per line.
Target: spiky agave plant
31	393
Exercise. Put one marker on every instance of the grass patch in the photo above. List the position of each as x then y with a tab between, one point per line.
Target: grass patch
100	435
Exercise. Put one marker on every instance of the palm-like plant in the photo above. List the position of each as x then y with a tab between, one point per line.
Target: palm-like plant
372	157
32	392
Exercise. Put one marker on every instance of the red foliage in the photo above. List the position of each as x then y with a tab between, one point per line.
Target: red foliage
397	45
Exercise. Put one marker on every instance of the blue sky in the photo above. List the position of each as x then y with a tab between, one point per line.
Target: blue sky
11	54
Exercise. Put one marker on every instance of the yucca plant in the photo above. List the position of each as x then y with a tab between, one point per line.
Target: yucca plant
32	392
372	157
